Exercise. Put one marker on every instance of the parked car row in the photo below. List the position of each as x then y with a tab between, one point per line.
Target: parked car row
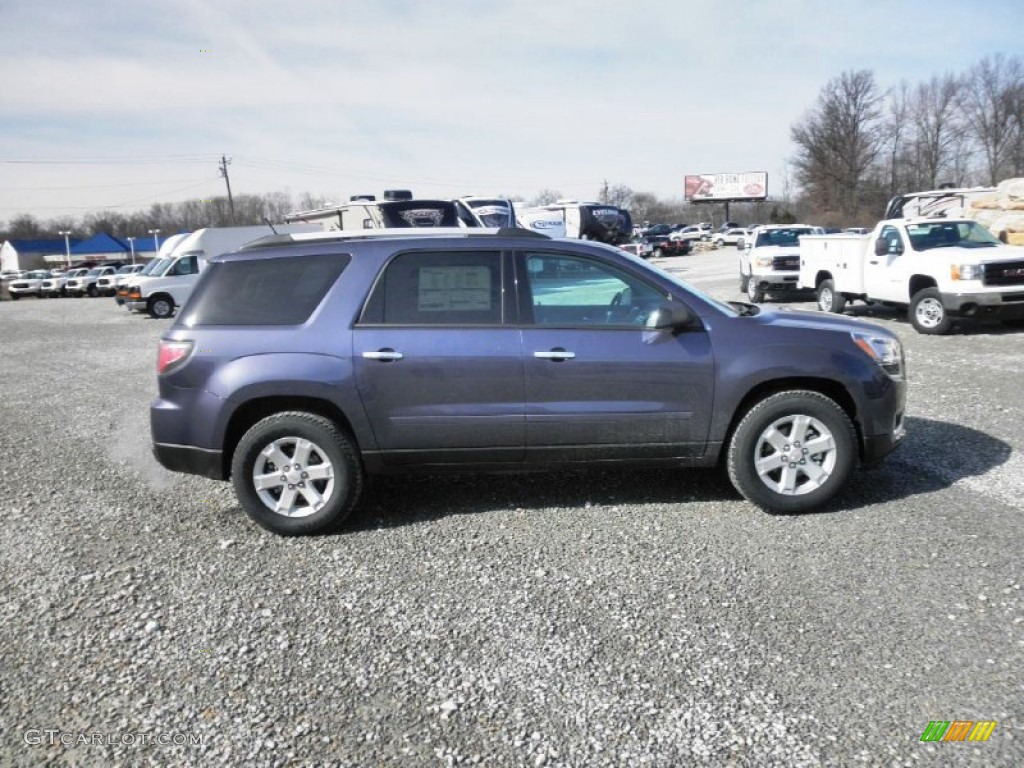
80	281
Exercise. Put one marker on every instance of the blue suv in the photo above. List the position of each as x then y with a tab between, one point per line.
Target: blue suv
302	363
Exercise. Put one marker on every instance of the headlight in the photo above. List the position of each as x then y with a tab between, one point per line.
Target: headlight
763	261
885	351
967	271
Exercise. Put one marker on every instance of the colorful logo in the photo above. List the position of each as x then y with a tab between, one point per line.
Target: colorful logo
958	730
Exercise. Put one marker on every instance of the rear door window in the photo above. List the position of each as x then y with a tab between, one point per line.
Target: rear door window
438	288
274	291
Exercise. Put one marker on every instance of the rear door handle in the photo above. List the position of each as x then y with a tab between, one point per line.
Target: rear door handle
384	355
557	354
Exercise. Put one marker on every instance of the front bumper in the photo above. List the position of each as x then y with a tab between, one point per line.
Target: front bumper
776	281
1001	304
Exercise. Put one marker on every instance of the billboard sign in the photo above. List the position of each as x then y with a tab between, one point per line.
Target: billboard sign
719	187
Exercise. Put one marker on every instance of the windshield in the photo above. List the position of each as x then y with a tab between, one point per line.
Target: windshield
946	234
492	213
154	266
94	272
419	213
789	236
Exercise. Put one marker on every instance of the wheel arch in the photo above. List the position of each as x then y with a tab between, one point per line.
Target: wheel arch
821	277
919	283
830	388
252	411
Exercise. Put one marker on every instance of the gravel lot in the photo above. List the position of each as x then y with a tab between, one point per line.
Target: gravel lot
606	618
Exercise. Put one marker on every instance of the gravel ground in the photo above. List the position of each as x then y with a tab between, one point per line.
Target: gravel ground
593	619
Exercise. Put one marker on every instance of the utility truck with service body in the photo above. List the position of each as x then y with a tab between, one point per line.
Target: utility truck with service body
940	269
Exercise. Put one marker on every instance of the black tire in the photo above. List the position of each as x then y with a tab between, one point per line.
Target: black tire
160	307
91	290
656	253
755	294
927	314
330	444
744	280
813	478
828	299
15	297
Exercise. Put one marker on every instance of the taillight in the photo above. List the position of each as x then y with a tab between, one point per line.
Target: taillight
170	353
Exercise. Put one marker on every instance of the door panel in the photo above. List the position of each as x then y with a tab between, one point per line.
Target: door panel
438	369
599	383
455	394
626	393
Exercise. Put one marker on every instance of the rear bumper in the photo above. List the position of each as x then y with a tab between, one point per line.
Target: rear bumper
190	460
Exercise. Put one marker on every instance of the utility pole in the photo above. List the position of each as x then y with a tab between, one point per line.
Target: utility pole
224	172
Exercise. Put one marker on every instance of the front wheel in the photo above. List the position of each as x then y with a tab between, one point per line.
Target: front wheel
828	299
792	451
755	294
91	290
160	307
297	473
927	314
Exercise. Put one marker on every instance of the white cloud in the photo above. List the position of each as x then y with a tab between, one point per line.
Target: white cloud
447	95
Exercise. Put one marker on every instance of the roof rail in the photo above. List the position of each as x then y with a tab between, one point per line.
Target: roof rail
368	234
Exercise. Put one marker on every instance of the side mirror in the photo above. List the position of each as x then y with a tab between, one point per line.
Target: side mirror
672	316
881	246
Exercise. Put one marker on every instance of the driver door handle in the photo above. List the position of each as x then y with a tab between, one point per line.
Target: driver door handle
384	355
557	354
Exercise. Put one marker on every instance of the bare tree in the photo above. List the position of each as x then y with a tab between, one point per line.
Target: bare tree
839	140
988	104
618	195
896	129
935	111
24	225
546	197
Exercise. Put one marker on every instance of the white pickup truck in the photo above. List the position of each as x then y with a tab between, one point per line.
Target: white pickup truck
940	269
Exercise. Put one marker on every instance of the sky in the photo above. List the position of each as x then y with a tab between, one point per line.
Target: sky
117	104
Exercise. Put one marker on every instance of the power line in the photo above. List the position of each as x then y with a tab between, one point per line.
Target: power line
100	186
138	160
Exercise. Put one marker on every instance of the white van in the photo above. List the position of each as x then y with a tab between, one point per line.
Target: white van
161	294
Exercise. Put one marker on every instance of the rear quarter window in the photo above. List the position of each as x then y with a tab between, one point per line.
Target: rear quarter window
274	291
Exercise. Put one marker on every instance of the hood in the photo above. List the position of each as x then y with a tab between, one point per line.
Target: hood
954	254
820	321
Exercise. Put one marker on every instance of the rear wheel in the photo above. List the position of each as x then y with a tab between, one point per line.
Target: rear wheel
792	451
927	314
828	299
91	290
297	473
